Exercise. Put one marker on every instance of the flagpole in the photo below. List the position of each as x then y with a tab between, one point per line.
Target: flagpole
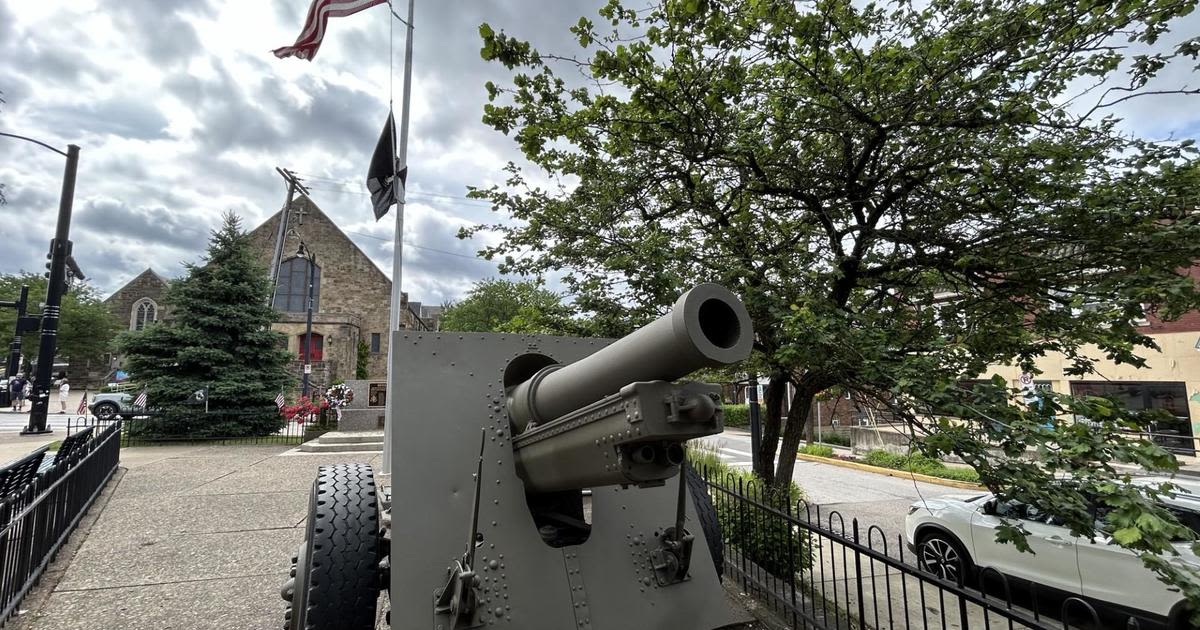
398	237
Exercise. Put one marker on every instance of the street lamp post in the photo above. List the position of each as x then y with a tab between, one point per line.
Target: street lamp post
60	249
311	273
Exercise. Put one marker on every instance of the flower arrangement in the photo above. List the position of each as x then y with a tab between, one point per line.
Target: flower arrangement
304	409
339	395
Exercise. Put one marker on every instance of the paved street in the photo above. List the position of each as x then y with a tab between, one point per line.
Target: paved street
12	422
872	499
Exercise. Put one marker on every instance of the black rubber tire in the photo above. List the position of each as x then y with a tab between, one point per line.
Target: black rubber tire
966	567
106	410
1180	617
707	515
338	586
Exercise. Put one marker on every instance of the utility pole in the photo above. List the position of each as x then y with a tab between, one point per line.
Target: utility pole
60	249
294	184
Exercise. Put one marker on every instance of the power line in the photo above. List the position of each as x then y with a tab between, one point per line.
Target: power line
356	188
411	244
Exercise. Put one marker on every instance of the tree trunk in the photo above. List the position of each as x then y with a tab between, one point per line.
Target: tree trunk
771	426
806	390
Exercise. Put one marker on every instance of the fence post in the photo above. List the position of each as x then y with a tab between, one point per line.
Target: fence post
858	585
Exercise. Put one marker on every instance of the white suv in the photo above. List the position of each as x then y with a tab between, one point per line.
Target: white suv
954	536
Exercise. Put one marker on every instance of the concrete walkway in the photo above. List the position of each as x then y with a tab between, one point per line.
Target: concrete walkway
195	537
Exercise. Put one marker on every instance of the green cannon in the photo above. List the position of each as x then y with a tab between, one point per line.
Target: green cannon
536	484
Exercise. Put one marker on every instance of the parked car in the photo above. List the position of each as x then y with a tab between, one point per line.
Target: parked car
954	536
110	405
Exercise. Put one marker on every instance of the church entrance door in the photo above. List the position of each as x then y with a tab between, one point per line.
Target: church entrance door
315	348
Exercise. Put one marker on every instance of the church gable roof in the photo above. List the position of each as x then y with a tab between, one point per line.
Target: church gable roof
266	232
148	276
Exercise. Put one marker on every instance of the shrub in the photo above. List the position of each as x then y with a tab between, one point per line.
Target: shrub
816	450
837	439
761	538
921	464
883	459
737	415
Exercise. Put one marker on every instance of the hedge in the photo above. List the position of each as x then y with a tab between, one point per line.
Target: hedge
737	416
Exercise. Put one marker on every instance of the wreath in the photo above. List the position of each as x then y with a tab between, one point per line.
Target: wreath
339	395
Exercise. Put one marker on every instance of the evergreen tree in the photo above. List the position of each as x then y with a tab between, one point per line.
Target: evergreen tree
219	336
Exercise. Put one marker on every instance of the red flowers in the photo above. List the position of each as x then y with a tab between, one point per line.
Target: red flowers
304	409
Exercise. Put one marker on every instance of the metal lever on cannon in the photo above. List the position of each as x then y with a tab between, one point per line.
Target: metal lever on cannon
674	555
459	598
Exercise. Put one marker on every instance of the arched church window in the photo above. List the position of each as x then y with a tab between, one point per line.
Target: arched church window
144	312
291	291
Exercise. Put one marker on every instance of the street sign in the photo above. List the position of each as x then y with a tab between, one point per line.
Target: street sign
308	368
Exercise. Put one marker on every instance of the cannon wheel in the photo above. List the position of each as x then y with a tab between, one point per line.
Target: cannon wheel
707	515
335	581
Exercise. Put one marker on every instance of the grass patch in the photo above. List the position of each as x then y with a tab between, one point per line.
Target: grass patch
816	450
921	464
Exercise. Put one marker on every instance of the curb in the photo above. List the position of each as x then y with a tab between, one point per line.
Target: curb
890	472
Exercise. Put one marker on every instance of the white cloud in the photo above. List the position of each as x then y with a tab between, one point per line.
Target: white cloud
182	113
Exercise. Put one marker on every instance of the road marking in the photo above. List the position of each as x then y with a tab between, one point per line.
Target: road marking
736	452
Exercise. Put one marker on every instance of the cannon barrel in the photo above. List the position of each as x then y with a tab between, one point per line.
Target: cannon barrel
707	327
616	417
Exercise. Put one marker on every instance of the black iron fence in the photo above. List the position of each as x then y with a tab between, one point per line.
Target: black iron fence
224	427
818	570
41	505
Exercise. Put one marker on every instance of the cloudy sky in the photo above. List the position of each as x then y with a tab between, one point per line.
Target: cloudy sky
182	113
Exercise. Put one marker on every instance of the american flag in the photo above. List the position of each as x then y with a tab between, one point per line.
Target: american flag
82	410
140	401
314	26
280	401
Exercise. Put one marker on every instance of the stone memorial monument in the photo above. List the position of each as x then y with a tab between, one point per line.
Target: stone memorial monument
365	411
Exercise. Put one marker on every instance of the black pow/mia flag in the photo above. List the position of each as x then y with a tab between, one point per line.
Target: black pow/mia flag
384	169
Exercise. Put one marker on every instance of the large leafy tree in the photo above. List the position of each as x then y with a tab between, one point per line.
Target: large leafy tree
85	327
903	194
499	305
218	336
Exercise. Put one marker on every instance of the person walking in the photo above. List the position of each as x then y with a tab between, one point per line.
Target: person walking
26	392
64	390
16	392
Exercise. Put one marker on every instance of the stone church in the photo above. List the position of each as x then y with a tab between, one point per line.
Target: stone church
351	296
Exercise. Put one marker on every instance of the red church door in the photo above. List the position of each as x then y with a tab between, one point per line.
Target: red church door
315	348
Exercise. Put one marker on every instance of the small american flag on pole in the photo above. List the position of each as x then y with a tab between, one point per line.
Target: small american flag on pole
280	401
141	400
82	410
314	26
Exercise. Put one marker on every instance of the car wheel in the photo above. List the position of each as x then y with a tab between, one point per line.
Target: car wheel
106	410
943	556
1180	617
335	579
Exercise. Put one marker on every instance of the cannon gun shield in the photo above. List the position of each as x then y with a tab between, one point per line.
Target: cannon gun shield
447	387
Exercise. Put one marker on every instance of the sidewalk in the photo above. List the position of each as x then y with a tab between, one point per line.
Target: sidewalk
196	537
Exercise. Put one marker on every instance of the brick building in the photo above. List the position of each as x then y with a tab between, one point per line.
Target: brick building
351	295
